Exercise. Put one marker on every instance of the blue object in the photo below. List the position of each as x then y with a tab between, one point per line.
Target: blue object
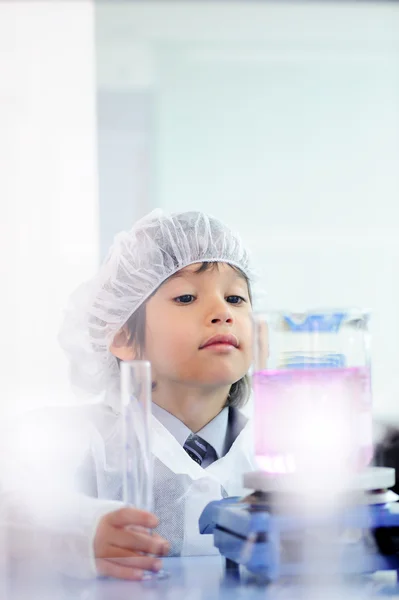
269	544
326	361
317	322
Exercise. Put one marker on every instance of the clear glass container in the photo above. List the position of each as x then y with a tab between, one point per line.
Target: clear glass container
136	411
312	389
138	476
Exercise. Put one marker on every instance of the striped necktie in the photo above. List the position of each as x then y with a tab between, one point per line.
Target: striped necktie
196	447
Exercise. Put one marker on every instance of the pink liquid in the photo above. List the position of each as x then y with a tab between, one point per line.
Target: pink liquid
324	413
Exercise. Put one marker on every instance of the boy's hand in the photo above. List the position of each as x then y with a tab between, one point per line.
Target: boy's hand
122	543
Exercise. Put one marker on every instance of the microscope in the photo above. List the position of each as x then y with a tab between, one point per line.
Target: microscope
314	504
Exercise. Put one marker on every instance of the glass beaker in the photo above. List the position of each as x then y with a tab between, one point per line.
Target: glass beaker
312	389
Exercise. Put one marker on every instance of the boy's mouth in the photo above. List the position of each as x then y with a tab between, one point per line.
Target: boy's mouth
227	340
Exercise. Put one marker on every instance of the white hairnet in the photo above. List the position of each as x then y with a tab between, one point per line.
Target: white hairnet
140	260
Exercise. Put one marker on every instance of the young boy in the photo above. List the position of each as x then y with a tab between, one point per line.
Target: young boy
175	290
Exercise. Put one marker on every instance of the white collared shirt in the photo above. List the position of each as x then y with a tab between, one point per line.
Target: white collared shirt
214	432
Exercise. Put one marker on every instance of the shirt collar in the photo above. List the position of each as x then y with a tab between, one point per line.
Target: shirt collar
177	428
213	432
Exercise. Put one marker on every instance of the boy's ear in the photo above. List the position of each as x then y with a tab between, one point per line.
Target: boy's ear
121	347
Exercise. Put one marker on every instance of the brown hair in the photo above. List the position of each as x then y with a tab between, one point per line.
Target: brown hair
240	390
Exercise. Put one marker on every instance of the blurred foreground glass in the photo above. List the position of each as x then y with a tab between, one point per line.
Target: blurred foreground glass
136	411
138	476
312	390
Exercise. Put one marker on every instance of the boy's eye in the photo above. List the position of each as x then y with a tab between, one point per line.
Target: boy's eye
185	299
235	299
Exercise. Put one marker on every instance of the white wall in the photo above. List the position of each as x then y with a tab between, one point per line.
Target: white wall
48	188
283	120
124	160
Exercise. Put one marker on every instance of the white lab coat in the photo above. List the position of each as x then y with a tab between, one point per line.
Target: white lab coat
81	480
221	478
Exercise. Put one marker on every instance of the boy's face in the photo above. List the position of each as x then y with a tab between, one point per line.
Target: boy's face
183	318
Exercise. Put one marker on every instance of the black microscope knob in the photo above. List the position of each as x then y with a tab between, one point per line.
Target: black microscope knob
387	540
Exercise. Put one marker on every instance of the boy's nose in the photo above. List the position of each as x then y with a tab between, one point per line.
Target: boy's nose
222	316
